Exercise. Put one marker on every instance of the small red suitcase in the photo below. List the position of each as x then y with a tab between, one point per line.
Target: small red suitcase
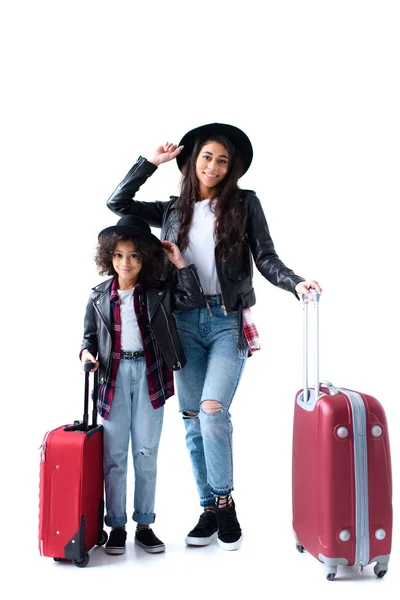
71	495
341	473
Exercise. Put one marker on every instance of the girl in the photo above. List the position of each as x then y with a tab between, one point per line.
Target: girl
222	228
129	327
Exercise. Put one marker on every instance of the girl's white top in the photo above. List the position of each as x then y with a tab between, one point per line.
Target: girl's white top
201	248
131	339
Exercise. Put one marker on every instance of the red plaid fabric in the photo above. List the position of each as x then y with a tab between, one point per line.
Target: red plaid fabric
159	376
250	332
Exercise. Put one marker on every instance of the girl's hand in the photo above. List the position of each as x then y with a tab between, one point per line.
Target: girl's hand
304	288
88	357
165	153
173	254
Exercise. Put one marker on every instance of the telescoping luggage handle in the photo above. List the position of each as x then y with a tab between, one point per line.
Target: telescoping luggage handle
306	393
84	424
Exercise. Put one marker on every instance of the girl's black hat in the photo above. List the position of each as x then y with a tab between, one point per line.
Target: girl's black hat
238	138
133	227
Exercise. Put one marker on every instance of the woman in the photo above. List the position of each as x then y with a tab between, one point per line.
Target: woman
221	229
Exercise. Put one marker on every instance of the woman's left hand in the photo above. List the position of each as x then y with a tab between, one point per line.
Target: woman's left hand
304	288
173	254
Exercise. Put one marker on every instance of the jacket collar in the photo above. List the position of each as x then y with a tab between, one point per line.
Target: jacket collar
104	286
153	295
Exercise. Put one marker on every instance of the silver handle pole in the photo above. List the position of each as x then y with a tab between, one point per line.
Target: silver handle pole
316	342
305	350
316	297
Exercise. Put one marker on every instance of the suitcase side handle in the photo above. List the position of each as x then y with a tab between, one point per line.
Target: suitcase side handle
331	388
316	296
84	424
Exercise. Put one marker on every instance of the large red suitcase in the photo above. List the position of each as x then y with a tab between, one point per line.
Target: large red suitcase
71	503
341	473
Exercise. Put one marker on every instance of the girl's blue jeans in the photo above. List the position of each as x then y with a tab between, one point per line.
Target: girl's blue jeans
212	372
131	416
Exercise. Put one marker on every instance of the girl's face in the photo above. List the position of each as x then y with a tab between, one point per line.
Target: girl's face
126	264
211	167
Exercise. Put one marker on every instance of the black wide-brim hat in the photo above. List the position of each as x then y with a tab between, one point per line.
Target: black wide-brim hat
238	138
133	227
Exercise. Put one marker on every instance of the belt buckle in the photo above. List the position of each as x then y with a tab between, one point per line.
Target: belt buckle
132	354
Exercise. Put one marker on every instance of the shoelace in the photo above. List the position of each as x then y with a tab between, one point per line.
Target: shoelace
117	535
208	516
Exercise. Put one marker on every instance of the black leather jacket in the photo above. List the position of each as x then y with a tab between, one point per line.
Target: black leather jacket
235	275
161	302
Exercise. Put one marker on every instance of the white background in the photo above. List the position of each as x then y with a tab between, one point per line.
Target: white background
90	85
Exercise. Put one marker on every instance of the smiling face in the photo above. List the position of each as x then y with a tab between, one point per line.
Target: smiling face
211	167
126	263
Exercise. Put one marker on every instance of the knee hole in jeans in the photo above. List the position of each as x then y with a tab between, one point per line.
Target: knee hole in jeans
211	407
145	451
190	415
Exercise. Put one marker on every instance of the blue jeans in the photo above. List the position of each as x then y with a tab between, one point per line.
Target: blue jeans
212	372
131	415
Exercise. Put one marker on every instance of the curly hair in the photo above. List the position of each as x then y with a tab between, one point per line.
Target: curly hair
151	256
228	216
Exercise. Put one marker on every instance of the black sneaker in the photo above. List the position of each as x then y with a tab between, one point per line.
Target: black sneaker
147	539
205	530
229	532
116	541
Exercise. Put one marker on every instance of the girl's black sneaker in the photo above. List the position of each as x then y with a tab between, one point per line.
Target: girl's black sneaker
229	532
147	539
117	541
205	530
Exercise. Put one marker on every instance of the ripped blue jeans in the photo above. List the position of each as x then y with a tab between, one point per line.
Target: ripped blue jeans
212	372
131	416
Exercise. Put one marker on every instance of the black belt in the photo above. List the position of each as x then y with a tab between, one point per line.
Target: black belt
132	355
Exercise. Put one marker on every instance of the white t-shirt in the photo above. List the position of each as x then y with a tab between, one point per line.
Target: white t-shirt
201	248
131	339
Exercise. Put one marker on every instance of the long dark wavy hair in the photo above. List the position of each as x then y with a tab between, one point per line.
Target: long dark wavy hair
151	256
228	216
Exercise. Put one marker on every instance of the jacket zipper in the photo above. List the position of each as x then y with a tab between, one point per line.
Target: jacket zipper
201	289
223	305
197	279
361	478
172	341
108	331
223	308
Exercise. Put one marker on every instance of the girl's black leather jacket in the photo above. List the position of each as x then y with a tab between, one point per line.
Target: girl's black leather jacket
235	275
161	302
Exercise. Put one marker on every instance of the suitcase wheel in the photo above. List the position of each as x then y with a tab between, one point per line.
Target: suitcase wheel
380	570
330	573
300	548
381	574
103	538
82	561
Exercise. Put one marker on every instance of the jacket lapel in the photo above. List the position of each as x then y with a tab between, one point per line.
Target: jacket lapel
102	303
154	298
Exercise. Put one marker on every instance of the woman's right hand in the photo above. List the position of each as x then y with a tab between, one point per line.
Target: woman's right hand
165	153
86	356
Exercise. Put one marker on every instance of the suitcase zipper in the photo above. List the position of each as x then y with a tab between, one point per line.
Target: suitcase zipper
361	478
42	446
